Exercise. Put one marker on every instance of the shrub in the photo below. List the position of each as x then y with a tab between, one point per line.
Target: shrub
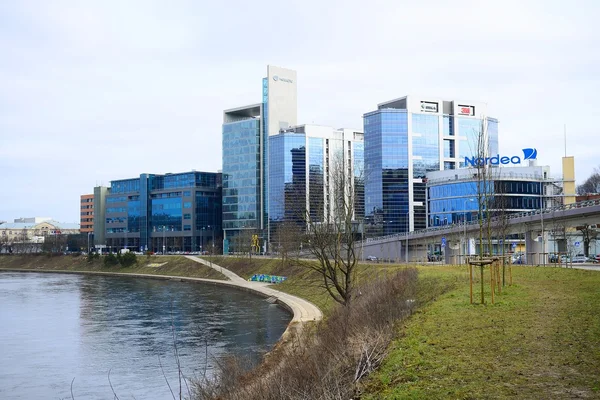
331	361
110	259
128	259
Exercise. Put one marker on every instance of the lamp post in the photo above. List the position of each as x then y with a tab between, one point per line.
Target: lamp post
362	242
202	240
465	224
88	247
542	221
407	230
212	233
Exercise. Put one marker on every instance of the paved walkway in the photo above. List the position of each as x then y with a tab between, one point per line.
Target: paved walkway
303	310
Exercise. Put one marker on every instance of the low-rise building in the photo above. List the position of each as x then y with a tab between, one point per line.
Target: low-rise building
87	213
170	212
32	231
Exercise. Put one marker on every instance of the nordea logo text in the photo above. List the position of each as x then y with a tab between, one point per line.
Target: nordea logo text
528	154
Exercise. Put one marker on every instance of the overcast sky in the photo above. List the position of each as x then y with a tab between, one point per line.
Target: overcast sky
92	91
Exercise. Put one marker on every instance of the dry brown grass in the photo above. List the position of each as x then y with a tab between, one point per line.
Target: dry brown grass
329	361
173	265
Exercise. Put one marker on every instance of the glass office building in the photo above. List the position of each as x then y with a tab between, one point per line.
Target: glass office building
304	162
407	138
454	196
246	133
171	212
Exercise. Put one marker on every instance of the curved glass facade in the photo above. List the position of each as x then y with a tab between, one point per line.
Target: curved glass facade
454	203
316	180
386	171
287	177
359	180
426	158
241	174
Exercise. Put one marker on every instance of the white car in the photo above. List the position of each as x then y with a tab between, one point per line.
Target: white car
372	258
580	258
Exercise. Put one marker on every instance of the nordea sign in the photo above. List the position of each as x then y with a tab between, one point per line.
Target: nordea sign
528	154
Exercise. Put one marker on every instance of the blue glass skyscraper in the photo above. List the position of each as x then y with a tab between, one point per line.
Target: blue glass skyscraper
246	132
404	139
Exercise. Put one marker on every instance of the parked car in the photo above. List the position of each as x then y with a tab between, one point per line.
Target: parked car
553	258
372	258
565	259
518	258
579	258
598	257
434	257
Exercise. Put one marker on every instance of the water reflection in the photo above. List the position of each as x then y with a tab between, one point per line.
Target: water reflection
56	327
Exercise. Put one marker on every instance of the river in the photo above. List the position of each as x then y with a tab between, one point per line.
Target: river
56	327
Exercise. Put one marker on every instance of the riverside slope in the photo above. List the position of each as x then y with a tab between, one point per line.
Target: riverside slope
303	311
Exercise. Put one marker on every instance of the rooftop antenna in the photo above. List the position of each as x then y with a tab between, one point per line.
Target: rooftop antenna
565	140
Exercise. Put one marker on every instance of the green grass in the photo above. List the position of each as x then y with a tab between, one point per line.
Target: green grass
301	281
541	340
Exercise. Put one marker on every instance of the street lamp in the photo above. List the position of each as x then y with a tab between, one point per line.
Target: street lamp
542	221
212	232
407	230
465	224
362	241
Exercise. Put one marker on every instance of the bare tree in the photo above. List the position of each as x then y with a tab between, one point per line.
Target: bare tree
332	238
5	243
591	184
501	222
589	234
288	237
485	186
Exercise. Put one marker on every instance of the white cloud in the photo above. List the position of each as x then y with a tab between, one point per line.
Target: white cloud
99	90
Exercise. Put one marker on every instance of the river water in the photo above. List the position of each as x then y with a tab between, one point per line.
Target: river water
56	327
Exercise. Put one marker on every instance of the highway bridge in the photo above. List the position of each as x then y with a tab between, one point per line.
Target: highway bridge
531	227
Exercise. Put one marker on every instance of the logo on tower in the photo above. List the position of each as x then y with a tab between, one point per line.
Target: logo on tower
277	78
428	106
529	154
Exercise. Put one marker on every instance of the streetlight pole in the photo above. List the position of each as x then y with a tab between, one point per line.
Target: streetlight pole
202	240
465	225
542	221
362	241
407	230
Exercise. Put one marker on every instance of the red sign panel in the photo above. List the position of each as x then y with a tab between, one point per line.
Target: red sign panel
466	110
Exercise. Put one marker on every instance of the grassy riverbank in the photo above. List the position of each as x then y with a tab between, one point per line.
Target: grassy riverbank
540	340
153	265
306	284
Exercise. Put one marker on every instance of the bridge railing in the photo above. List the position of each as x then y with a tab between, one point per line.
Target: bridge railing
547	211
